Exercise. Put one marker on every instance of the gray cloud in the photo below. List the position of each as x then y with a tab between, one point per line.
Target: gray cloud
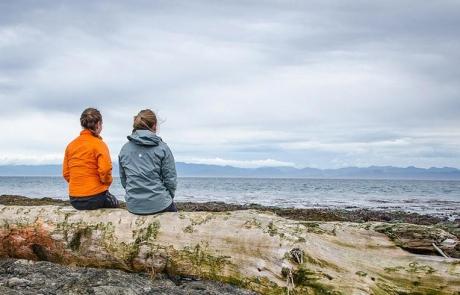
321	83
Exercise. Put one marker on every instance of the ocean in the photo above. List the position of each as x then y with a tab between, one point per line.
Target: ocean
440	198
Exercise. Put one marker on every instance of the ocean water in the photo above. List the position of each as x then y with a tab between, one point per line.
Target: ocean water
421	196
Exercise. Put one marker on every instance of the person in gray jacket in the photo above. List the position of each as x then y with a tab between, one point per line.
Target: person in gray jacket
147	168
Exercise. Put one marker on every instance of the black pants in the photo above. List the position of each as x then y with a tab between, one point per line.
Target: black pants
170	208
102	200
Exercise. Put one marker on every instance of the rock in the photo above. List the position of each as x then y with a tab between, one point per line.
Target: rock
255	250
17	282
112	290
449	243
8	291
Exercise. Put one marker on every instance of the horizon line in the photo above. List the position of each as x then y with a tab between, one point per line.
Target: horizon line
292	167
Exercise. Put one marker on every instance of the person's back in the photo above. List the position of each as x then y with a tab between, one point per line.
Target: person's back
147	169
87	166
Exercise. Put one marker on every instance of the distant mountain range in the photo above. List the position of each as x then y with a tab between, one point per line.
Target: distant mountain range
202	170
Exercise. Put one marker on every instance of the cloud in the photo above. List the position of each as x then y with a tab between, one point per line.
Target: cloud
241	164
37	159
319	83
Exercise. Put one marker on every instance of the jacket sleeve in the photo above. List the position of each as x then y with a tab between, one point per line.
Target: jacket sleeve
104	164
122	173
168	172
65	167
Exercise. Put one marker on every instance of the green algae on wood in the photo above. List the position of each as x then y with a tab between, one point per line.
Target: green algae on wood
75	242
188	229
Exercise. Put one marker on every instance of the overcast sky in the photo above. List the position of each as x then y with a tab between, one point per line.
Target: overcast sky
247	83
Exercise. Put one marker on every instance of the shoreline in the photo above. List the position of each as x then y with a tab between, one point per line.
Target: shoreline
299	214
303	214
425	198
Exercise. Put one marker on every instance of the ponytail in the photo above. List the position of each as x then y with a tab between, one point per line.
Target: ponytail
145	120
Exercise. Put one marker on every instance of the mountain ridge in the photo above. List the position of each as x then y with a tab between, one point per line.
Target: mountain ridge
206	170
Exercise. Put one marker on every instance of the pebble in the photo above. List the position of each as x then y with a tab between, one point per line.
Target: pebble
15	282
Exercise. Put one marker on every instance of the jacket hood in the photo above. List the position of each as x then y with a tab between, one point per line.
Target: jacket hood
144	137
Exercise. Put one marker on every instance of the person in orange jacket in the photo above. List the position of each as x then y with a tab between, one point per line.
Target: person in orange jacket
87	166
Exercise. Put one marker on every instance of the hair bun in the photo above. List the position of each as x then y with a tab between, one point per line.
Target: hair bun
90	118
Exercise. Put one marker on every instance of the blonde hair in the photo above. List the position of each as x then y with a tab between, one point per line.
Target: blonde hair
145	120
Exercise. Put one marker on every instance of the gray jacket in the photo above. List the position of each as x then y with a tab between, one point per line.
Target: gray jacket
147	172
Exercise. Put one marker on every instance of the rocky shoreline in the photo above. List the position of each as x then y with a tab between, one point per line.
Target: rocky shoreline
18	276
313	214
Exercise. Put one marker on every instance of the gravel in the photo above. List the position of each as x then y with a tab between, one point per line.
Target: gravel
19	276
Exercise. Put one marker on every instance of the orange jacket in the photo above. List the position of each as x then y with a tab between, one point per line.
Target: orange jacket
87	166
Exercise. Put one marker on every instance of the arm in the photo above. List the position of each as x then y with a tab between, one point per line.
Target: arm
104	164
168	171
122	173
65	167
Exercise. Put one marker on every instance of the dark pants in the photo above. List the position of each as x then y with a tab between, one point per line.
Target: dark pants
102	200
170	208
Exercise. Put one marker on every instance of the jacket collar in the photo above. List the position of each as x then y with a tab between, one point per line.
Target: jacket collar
88	132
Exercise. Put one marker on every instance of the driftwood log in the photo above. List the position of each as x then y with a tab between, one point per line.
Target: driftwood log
251	249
